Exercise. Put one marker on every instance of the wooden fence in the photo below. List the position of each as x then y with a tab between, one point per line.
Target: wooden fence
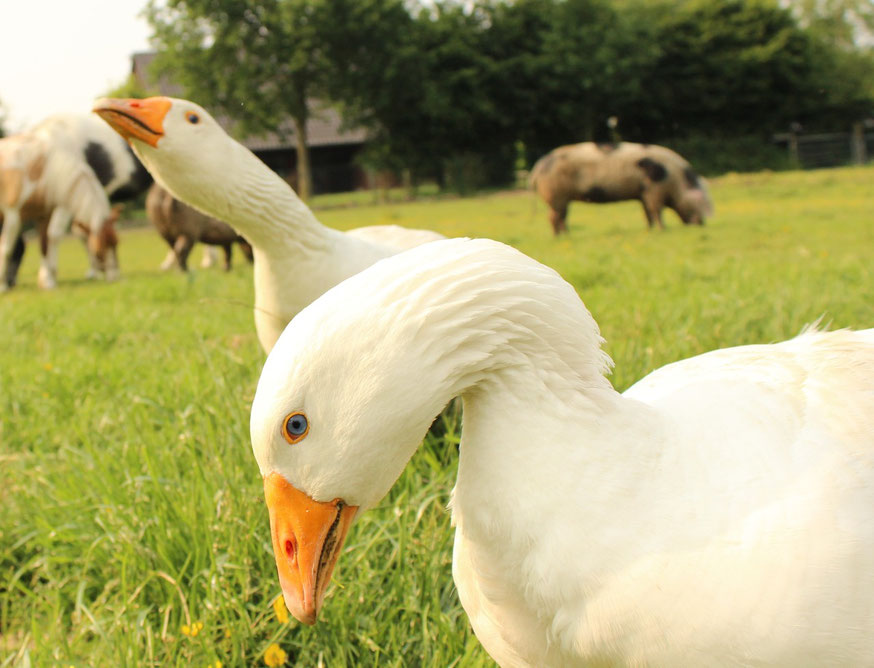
830	149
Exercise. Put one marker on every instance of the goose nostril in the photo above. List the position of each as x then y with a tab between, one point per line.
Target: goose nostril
290	548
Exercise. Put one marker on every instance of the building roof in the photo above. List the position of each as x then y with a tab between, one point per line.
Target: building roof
324	127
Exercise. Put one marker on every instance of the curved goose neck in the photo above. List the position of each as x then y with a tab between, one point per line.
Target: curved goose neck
468	326
523	352
228	182
265	209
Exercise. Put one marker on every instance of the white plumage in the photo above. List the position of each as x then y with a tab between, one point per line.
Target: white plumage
113	165
296	257
719	512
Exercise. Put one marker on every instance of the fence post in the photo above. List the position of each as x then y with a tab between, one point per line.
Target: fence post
857	143
794	129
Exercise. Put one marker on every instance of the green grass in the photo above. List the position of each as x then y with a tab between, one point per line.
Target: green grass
131	504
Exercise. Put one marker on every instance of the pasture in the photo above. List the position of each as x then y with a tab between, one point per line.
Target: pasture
133	530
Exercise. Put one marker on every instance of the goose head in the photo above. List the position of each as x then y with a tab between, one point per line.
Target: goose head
332	428
355	380
183	147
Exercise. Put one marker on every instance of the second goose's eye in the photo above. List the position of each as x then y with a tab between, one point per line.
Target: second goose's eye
192	118
295	427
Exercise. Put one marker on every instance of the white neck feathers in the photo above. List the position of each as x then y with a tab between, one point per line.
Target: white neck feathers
230	183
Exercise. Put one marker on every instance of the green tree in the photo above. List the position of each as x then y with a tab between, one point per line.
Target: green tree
842	23
374	74
843	85
843	35
413	76
259	61
561	69
732	66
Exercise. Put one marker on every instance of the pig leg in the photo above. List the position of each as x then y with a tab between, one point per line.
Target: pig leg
652	207
558	218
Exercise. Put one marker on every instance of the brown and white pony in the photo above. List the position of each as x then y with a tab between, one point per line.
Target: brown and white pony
67	167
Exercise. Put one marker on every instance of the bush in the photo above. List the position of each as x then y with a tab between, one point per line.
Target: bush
711	155
466	173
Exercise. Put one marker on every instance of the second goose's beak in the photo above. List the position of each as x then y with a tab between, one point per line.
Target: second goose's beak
135	119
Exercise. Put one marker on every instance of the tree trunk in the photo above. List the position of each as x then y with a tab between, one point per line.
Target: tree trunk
304	173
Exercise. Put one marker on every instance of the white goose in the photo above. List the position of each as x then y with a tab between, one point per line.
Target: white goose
296	257
719	512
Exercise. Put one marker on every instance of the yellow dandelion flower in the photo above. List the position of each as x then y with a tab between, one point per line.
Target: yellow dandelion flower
192	630
280	609
275	655
227	633
47	366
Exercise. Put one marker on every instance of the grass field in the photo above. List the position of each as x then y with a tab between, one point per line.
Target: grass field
132	528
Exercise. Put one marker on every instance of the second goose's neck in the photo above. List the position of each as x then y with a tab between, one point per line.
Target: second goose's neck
242	191
265	209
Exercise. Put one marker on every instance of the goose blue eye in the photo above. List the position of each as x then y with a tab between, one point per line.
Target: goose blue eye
192	117
295	427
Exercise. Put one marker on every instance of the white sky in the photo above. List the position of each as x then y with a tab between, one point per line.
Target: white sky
59	55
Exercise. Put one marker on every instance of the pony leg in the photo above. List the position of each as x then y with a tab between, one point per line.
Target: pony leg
210	257
15	261
109	240
95	266
183	247
8	236
169	261
48	270
111	262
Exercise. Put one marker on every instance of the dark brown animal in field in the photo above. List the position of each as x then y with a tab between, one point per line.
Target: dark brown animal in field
600	173
182	227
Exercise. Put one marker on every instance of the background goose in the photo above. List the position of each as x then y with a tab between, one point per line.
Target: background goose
296	257
719	512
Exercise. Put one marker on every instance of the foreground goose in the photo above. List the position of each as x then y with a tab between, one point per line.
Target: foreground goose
719	512
296	257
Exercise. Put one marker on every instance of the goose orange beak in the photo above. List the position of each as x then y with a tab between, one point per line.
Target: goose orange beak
135	119
307	538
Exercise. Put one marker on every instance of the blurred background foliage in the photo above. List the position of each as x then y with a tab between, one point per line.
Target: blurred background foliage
448	90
